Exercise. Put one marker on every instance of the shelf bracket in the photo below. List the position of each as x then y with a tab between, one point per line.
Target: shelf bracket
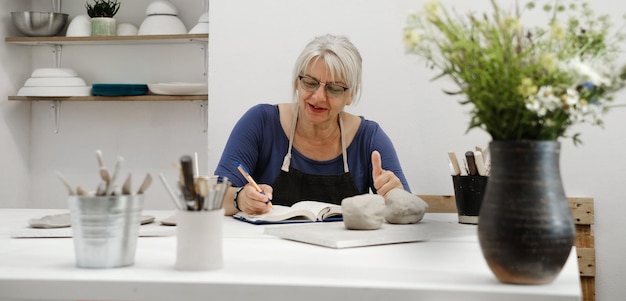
56	115
57	53
205	60
56	6
204	115
205	5
204	48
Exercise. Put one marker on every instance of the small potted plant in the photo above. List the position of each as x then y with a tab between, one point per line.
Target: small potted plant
101	13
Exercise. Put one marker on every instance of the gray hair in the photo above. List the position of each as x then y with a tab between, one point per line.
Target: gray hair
341	57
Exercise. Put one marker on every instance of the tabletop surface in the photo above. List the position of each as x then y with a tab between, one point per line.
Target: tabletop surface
447	266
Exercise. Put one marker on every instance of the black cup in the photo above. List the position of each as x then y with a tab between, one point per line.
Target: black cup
468	192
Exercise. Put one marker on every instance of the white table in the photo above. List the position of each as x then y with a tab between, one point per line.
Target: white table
449	266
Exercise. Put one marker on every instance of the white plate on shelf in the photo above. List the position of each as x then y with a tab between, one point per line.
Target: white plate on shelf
54	72
55	82
179	88
55	91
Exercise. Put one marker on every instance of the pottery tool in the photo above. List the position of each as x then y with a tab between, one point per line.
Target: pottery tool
202	192
118	167
196	171
126	186
80	190
104	172
101	188
471	163
145	184
456	169
480	163
188	185
66	182
173	196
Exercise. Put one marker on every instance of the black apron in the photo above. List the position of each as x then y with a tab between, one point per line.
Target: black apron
292	185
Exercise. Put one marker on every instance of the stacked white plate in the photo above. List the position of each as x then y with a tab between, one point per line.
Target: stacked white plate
55	82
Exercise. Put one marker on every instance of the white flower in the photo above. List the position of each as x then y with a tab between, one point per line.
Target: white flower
588	73
433	9
557	31
411	38
570	97
548	100
513	24
548	61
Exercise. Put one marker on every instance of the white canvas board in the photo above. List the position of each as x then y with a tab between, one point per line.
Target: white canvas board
335	234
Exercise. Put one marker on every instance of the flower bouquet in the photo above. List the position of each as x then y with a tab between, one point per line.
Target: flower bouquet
527	85
525	82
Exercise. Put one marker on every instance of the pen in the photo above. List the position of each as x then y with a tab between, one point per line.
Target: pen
250	180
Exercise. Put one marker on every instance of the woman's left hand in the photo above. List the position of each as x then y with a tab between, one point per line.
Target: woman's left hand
384	180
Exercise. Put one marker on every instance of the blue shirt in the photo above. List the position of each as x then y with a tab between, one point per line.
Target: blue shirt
260	144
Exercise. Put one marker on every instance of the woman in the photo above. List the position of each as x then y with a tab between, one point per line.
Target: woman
311	149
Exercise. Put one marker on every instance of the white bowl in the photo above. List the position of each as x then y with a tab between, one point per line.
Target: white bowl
161	7
80	26
55	91
204	18
54	72
200	28
162	24
55	82
127	29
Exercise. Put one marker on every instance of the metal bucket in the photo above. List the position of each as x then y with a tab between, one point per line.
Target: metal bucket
105	229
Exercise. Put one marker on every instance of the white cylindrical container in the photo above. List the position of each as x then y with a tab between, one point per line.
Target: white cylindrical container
199	240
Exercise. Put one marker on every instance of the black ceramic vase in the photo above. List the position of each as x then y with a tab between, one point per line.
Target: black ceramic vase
526	230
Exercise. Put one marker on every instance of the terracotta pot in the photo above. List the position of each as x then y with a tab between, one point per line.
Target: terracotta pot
526	229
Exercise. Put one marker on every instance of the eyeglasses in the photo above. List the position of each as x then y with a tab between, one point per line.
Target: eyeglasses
310	84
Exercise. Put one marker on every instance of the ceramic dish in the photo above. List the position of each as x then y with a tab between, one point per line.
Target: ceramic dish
204	18
127	29
162	24
63	220
53	72
55	82
179	88
200	28
119	89
161	7
54	91
79	27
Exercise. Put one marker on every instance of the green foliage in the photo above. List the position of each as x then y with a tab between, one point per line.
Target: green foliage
523	82
103	8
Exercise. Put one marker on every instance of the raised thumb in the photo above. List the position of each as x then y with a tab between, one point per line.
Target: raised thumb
377	165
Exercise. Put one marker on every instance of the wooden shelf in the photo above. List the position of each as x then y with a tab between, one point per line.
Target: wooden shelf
149	97
110	40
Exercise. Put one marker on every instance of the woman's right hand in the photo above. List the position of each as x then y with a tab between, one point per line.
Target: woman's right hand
254	202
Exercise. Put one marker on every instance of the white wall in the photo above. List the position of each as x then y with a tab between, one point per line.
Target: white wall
253	45
14	118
